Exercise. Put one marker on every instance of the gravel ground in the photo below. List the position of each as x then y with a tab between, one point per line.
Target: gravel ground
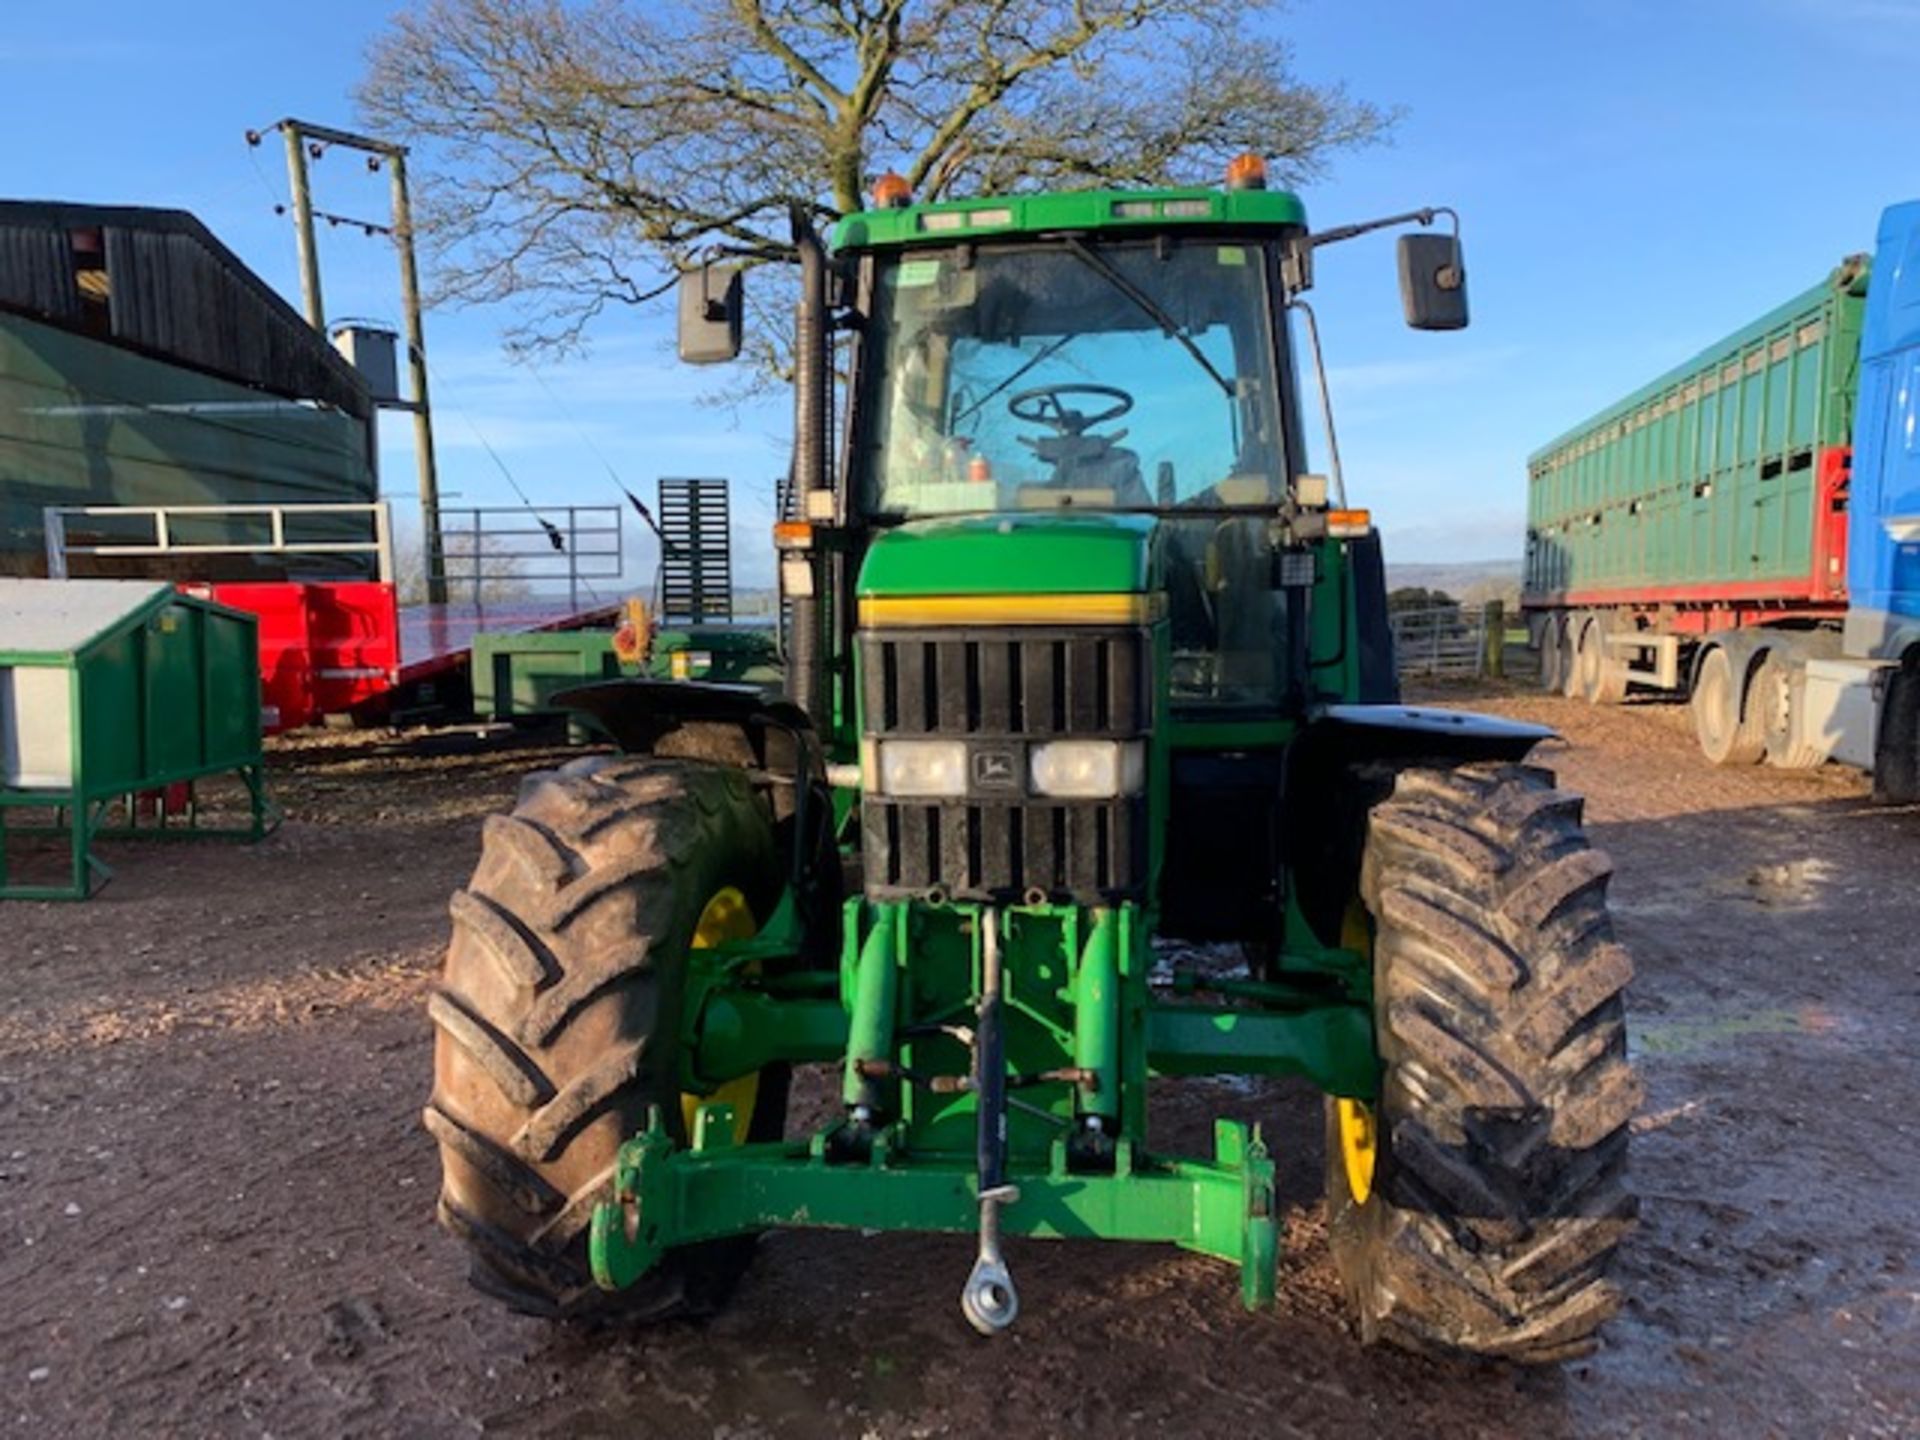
215	1196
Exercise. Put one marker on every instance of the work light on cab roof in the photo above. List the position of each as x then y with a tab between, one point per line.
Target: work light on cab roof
1247	171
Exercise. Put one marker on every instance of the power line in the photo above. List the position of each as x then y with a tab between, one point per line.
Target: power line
554	537
666	546
578	428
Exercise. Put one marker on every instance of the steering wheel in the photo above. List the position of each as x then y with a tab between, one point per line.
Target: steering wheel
1044	405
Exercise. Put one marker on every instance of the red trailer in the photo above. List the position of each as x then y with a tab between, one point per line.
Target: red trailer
327	605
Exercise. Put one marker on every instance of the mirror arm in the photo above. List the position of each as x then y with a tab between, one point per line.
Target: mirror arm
1326	404
1367	227
1297	262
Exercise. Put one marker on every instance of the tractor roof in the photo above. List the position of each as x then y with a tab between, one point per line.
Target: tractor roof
944	222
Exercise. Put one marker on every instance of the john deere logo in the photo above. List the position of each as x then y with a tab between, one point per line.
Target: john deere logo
995	770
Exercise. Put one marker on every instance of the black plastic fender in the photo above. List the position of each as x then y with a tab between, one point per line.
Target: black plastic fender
637	715
1343	764
737	725
1392	732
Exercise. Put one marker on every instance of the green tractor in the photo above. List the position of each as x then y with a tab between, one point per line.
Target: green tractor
1090	773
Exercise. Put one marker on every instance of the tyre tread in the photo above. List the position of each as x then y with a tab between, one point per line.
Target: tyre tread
545	1017
1502	1197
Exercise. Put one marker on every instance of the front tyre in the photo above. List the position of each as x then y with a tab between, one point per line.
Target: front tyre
1477	1205
557	1017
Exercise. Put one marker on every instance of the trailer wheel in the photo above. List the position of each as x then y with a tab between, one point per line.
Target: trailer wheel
1477	1205
1572	646
557	1018
1603	678
1729	733
1553	654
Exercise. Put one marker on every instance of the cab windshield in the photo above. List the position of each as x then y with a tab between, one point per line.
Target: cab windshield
1072	375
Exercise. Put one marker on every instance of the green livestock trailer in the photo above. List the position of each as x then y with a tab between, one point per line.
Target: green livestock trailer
1717	476
1744	533
1711	500
116	698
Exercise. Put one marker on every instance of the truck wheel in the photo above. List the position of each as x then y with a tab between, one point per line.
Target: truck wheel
1728	735
1896	752
1778	697
1477	1205
1553	654
557	1017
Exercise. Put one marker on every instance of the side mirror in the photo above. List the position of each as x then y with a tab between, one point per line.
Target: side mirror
1433	282
710	313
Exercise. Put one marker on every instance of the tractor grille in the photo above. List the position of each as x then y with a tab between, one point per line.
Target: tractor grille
1001	691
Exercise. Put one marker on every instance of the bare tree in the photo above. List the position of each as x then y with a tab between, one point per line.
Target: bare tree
501	576
579	155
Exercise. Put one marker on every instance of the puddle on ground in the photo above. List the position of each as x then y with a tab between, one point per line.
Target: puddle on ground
1685	1037
1789	886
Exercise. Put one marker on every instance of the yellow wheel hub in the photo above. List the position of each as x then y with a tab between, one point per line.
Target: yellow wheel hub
1354	1119
726	916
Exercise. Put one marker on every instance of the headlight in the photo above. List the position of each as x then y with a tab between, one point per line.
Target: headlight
1088	769
923	767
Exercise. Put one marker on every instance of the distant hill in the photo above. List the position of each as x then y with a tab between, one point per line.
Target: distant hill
1474	581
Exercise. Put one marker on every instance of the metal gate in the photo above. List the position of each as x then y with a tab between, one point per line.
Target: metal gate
1446	640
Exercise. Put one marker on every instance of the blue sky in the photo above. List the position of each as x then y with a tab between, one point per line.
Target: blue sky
1636	177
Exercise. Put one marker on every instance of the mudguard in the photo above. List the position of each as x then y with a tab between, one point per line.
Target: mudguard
1406	732
1343	764
738	725
637	715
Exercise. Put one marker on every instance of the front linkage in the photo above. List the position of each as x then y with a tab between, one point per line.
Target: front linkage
994	1071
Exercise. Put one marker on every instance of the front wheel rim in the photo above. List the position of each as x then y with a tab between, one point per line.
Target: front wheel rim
1358	1151
725	917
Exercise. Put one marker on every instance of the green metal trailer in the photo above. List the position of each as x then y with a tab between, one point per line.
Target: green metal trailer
1715	478
516	674
1687	535
118	696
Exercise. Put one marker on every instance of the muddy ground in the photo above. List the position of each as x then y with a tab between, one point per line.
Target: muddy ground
215	1196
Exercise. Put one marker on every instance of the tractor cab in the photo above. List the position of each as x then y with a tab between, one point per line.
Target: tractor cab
1098	375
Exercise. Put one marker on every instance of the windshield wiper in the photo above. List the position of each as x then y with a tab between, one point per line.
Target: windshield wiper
1151	308
1044	354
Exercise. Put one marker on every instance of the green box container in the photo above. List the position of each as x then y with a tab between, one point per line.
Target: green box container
1710	476
516	674
115	689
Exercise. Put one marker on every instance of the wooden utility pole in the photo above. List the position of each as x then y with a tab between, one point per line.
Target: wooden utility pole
297	134
303	228
417	368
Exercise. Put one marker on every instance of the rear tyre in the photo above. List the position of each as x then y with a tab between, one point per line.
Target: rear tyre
1728	734
557	1017
1477	1206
